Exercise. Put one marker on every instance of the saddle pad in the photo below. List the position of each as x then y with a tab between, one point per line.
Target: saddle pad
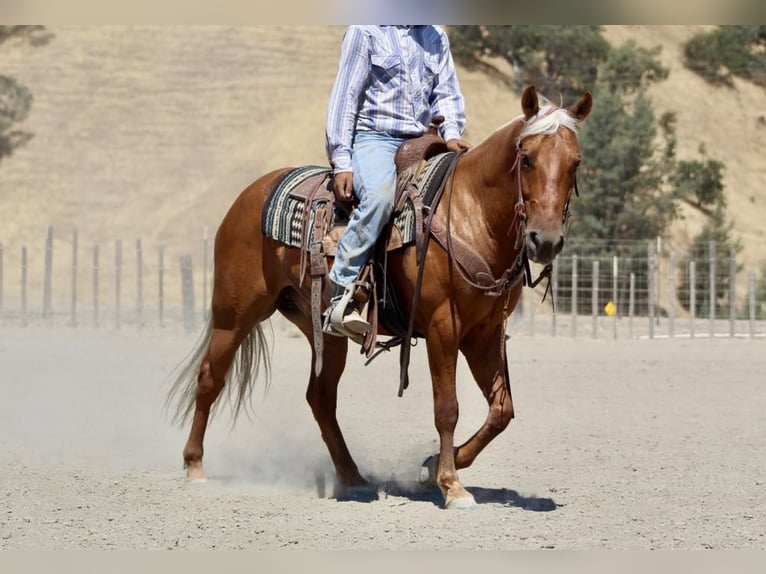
283	213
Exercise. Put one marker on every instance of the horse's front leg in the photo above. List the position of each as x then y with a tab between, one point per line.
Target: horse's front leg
441	341
485	354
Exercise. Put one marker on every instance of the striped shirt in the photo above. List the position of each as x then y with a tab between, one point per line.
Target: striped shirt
392	79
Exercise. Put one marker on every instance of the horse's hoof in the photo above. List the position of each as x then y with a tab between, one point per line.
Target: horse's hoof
195	473
427	475
466	502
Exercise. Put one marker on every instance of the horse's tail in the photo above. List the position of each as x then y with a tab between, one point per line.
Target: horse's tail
252	355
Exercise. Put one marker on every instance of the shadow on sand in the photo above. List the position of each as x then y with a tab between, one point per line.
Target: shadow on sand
417	493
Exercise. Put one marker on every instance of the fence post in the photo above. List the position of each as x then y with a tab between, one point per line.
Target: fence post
1	283
751	297
117	281
532	312
73	319
692	296
631	303
48	277
711	294
594	298
574	296
205	252
160	287
554	295
187	292
615	267
650	289
732	292
139	285
672	295
95	286
24	286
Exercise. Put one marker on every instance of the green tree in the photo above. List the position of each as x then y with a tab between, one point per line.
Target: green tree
700	183
623	179
728	51
718	231
15	98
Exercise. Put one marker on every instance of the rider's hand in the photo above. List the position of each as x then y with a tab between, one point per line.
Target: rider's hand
456	144
343	186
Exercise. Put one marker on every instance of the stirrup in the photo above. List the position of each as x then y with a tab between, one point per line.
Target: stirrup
340	323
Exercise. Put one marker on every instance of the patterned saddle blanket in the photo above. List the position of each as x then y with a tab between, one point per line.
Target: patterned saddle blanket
284	218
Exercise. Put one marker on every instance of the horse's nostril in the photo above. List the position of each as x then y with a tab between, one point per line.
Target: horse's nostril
534	238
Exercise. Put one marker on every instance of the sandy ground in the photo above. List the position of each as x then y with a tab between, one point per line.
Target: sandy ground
628	444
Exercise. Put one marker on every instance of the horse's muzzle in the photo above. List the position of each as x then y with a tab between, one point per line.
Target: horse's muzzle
543	247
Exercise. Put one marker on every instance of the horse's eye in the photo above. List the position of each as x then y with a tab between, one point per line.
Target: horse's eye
526	163
575	165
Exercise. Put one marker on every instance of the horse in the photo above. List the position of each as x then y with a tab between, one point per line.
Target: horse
507	201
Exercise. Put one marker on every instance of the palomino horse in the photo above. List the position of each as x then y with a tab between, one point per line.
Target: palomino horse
508	201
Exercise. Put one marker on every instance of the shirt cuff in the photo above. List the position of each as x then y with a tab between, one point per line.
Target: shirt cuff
341	161
450	132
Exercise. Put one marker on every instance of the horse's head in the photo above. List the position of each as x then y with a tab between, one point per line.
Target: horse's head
545	166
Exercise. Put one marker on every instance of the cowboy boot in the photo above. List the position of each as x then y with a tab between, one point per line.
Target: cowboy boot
343	316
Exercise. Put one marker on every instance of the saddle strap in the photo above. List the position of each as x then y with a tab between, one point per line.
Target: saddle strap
304	221
318	271
404	354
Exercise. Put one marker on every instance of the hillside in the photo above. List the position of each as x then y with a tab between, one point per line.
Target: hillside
151	132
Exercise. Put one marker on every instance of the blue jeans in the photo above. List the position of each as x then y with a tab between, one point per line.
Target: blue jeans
375	186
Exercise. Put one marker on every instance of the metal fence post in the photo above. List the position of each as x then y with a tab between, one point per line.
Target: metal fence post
732	292
24	321
48	278
672	294
574	296
692	296
631	304
139	285
615	302
1	283
95	286
117	281
160	287
711	293
751	298
650	290
73	319
205	255
594	298
554	295
187	292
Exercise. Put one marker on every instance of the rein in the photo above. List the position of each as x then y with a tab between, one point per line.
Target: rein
466	261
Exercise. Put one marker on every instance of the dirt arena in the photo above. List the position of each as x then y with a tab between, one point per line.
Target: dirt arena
631	444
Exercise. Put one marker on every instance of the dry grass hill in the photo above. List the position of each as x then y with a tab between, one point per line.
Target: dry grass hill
151	132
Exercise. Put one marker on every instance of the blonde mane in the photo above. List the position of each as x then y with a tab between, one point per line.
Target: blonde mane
547	120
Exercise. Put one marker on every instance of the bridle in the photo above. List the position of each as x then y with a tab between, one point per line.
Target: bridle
470	262
520	267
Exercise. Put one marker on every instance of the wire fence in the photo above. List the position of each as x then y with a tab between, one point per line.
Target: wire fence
597	290
640	289
108	285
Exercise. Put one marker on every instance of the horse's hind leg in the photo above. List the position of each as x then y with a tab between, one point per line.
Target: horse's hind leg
210	382
322	392
322	396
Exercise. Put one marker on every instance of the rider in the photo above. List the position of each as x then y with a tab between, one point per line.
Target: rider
391	81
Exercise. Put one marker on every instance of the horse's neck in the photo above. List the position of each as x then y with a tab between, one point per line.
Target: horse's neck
487	195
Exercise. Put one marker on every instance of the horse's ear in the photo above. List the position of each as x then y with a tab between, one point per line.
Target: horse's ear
529	103
581	109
